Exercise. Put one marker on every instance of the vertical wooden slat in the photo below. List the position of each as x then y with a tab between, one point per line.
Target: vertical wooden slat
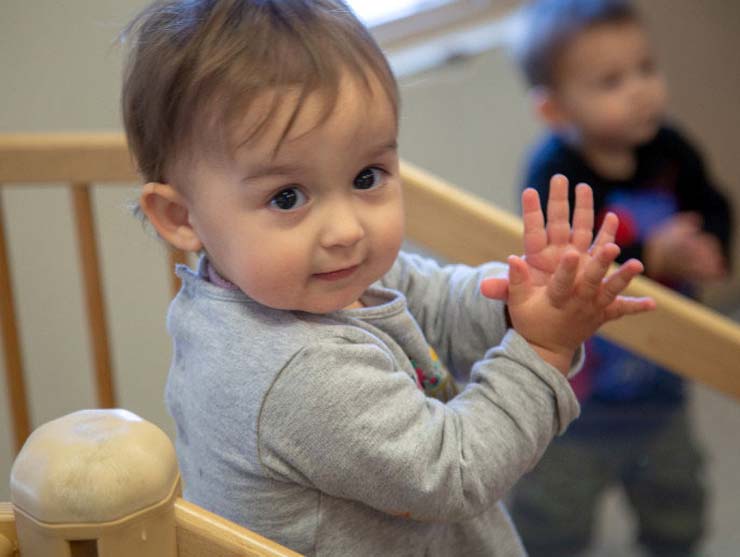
7	529
90	264
11	346
177	257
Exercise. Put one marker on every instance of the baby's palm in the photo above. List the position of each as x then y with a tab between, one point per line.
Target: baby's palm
544	246
558	293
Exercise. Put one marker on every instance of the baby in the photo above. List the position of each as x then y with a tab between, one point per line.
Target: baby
312	374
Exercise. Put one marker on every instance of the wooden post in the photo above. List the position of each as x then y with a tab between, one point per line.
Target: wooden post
8	537
12	348
96	315
96	483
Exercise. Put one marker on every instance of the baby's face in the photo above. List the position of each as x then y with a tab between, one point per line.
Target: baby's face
310	225
608	86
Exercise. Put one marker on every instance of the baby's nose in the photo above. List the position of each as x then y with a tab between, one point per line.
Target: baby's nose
343	229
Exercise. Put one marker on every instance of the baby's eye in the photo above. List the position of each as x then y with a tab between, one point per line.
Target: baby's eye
610	82
288	199
368	178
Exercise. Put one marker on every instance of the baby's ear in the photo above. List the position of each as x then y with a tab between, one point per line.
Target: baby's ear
168	212
547	107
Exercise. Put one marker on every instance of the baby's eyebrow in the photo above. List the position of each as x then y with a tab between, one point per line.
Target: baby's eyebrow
272	169
391	145
261	170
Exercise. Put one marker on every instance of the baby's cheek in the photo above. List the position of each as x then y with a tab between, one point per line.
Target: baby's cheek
253	277
392	231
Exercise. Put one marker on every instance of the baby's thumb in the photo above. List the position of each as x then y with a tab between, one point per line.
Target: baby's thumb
495	288
519	280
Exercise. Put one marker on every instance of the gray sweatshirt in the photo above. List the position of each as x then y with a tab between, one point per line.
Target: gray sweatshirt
314	430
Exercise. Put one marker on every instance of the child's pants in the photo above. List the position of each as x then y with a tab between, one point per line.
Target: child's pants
658	466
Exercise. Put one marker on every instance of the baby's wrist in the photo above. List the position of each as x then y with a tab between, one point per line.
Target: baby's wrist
560	359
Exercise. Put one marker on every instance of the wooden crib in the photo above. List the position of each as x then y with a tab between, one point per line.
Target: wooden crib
681	335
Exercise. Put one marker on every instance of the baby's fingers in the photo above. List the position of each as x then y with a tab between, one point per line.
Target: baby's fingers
520	282
561	284
583	218
626	305
596	269
558	211
607	231
535	236
615	283
495	288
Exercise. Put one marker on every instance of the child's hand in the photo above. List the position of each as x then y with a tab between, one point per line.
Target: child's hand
559	293
679	249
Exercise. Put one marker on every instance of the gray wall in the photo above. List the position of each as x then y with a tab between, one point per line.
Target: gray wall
469	122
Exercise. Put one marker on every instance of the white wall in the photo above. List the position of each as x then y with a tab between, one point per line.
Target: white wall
59	71
468	122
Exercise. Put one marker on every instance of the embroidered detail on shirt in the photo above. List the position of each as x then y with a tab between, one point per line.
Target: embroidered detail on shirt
436	382
400	514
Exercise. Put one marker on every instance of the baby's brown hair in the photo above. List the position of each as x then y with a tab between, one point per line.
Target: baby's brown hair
195	66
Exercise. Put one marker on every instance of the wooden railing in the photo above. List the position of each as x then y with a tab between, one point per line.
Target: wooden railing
76	162
682	335
198	531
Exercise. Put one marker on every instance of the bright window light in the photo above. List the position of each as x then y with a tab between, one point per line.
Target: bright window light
375	12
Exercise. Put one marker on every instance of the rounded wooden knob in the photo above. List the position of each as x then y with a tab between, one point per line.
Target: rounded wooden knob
93	466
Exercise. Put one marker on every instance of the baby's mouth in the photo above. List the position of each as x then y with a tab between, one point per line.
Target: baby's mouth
338	273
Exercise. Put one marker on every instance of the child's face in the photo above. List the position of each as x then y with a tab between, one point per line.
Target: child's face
307	227
608	89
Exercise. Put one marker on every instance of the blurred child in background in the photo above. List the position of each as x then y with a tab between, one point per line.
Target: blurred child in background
597	87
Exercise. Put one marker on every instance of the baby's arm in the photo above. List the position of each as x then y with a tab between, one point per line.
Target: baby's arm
344	420
445	301
559	293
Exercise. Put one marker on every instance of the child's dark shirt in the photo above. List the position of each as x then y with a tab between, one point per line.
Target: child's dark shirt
670	177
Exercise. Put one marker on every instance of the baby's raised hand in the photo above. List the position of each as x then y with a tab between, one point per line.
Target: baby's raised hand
559	293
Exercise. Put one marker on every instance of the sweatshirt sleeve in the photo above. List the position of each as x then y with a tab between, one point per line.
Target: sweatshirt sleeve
341	419
455	318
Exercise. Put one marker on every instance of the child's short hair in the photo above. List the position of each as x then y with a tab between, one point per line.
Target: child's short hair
194	67
547	26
